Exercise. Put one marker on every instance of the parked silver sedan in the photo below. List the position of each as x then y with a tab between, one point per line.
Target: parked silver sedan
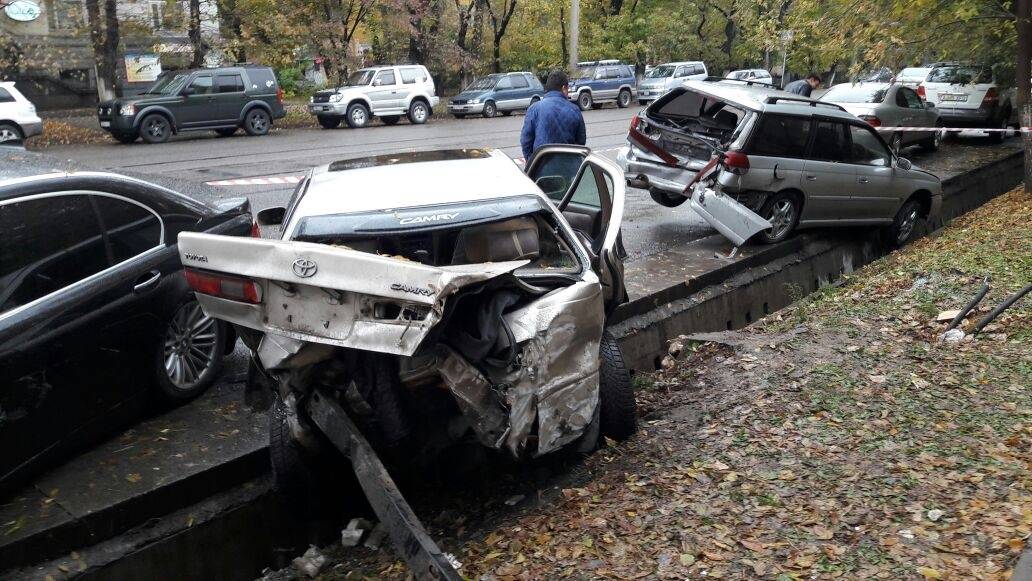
886	105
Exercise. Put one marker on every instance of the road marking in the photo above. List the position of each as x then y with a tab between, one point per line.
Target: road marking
263	181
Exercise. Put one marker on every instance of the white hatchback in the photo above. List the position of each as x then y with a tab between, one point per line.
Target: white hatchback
18	118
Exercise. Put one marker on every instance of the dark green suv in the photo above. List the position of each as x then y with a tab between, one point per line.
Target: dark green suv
222	99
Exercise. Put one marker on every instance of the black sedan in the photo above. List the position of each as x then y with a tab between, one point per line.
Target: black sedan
95	313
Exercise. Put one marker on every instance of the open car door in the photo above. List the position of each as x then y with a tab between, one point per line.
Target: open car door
589	191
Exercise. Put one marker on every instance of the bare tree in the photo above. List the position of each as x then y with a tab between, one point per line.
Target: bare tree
333	24
499	23
467	13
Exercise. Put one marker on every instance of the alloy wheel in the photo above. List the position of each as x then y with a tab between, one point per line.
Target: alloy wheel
358	116
906	226
190	345
157	128
781	218
8	134
419	112
258	122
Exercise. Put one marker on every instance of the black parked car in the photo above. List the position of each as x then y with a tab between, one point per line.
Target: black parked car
222	99
95	313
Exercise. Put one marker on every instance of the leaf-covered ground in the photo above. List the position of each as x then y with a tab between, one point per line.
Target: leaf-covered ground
836	438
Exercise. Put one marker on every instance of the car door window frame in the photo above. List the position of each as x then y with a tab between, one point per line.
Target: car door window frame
380	76
516	79
885	150
843	127
97	275
912	98
211	84
238	86
503	84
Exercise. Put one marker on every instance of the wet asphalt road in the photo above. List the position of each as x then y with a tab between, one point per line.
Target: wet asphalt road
201	157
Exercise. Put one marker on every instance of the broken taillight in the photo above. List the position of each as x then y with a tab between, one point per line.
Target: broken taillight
871	120
222	286
921	91
736	162
637	134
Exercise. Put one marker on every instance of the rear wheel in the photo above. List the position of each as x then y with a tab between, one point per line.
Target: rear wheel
418	112
390	119
357	116
668	199
618	411
782	211
190	355
490	109
227	132
534	99
624	99
9	132
584	101
329	121
155	128
905	223
257	122
1004	123
933	142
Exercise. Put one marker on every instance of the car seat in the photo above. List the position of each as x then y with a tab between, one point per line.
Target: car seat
514	239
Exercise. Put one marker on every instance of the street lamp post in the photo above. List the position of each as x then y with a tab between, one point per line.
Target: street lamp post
574	33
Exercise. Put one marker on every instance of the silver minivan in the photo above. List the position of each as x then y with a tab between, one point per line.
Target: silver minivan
759	162
660	79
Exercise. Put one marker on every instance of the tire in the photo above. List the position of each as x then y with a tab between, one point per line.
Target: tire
667	199
584	101
390	119
257	122
999	136
126	138
623	100
618	411
534	99
490	109
10	132
357	116
227	132
418	112
155	128
190	354
328	121
785	207
932	143
905	223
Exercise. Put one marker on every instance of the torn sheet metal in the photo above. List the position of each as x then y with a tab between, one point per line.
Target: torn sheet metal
555	383
733	220
332	295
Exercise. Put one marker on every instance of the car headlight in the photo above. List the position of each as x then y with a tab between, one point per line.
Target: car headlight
336	97
311	99
474	101
127	110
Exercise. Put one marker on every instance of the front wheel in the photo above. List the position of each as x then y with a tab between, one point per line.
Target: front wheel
782	211
190	356
905	222
329	121
257	122
618	410
624	99
490	109
155	128
935	141
584	101
357	116
418	113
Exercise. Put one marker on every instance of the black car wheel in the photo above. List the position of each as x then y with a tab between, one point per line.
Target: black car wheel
191	353
390	119
490	109
357	116
667	199
782	211
418	113
905	222
257	122
226	132
618	415
9	132
624	99
155	128
125	137
534	99
584	101
329	121
933	142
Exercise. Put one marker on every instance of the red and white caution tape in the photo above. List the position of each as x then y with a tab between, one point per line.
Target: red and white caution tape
266	181
954	129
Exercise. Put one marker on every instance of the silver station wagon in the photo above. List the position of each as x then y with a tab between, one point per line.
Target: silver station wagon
762	162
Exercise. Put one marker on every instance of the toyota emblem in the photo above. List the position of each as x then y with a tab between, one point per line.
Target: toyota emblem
304	267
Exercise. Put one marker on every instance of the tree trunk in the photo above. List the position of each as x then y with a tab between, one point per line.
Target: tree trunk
562	32
194	32
1023	70
104	41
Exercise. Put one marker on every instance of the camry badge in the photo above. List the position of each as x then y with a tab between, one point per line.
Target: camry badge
304	268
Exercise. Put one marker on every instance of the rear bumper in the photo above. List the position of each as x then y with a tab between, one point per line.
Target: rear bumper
642	170
962	117
31	128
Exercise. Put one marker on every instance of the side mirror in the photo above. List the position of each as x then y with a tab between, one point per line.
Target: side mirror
271	216
187	91
903	163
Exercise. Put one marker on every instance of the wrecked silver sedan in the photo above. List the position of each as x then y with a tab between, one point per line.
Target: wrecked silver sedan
435	297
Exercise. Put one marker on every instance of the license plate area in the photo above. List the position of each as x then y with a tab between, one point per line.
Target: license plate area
105	124
952	97
310	310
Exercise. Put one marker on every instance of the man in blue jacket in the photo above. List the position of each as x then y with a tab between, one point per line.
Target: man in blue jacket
553	119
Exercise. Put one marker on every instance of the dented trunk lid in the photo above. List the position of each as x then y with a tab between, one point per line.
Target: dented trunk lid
331	294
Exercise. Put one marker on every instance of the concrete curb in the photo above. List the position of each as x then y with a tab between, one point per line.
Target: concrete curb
1023	569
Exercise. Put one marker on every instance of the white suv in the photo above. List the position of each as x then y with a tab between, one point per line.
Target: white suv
385	92
18	118
968	96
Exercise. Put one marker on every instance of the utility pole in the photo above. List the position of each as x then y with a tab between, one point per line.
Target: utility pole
574	33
